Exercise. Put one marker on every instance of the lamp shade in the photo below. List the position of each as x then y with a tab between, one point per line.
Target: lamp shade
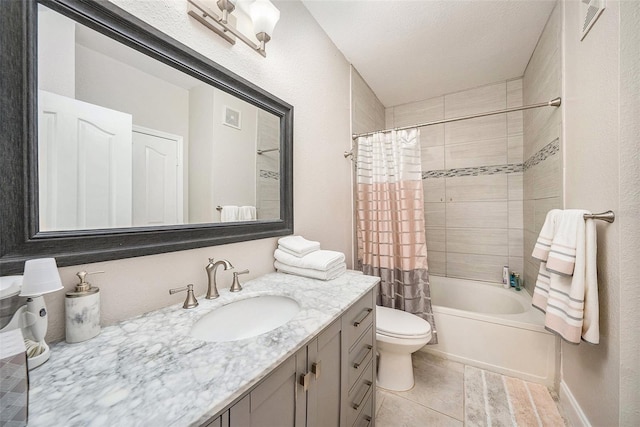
40	277
264	15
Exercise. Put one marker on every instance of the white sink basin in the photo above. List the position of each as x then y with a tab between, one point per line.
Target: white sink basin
245	318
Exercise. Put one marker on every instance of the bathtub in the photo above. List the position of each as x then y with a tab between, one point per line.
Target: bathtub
484	325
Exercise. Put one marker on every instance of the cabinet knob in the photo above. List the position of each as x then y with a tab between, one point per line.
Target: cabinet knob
305	379
315	369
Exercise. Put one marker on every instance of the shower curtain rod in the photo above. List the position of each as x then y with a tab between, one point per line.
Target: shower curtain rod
555	102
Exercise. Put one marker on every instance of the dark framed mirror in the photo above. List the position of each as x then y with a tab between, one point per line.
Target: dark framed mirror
120	142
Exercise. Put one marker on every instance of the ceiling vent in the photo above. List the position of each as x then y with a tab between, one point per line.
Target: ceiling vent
590	10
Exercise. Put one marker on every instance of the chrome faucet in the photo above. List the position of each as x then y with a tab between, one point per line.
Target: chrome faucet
212	289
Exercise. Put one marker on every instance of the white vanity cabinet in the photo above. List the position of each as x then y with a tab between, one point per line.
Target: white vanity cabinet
330	382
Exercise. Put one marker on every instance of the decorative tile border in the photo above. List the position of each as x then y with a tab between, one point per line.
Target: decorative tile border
480	170
269	174
547	151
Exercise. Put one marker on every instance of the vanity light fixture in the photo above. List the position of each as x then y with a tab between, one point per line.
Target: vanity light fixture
264	16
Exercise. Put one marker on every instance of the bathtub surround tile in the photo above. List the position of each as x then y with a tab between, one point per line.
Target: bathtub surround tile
477	188
436	239
515	146
414	113
397	411
487	241
437	262
473	171
478	129
434	190
516	242
477	153
540	210
434	214
547	178
432	158
515	214
477	100
514	93
431	136
477	214
514	182
516	264
473	266
515	123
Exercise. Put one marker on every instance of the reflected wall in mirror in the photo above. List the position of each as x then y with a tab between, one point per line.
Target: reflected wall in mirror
125	140
119	141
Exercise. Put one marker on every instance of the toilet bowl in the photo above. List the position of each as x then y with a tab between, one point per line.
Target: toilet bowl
398	335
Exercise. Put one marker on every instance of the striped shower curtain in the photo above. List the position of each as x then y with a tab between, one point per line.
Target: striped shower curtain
390	221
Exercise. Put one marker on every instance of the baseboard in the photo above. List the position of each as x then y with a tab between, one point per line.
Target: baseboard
571	409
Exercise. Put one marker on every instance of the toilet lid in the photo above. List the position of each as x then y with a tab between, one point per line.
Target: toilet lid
399	324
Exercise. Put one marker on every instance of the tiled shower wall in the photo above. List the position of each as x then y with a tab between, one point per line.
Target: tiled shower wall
473	181
542	139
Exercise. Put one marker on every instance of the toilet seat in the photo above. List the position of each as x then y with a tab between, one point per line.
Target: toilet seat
400	324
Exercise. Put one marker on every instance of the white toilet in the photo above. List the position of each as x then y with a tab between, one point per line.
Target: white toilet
398	335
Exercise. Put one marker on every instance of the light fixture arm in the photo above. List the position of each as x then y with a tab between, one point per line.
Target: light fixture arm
218	23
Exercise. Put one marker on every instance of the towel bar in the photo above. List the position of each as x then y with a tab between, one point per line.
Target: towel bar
219	208
607	216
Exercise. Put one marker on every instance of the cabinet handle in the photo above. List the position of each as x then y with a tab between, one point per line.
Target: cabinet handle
366	391
362	316
363	358
315	369
304	381
368	420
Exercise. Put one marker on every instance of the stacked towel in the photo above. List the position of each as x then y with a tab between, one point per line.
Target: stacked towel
567	285
229	214
302	257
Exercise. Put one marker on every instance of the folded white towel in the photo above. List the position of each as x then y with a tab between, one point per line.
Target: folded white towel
247	213
322	260
229	214
298	245
571	302
336	271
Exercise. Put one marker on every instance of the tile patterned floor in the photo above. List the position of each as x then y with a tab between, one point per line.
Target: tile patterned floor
437	399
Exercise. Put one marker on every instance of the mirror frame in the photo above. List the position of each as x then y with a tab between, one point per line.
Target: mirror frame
20	238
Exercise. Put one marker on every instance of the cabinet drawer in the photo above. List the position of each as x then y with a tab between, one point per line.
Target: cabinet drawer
366	416
362	391
358	319
360	356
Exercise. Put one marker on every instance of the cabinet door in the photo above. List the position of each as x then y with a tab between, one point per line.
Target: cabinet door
273	402
323	398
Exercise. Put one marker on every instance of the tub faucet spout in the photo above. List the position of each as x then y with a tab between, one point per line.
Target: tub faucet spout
211	268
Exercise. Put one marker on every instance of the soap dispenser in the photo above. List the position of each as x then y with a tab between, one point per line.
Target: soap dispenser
82	310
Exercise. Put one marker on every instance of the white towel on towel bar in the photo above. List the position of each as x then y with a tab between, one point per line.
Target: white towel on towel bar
246	213
570	302
229	213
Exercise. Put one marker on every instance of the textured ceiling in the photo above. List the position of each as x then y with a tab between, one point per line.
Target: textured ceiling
413	50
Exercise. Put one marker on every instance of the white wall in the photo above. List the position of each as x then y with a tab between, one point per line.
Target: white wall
303	68
56	53
601	124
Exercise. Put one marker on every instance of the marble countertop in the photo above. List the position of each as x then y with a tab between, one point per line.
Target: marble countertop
148	371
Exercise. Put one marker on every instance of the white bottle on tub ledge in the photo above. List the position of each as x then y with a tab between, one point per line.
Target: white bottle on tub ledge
505	277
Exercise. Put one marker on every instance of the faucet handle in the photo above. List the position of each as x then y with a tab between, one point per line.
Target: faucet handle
190	301
235	286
